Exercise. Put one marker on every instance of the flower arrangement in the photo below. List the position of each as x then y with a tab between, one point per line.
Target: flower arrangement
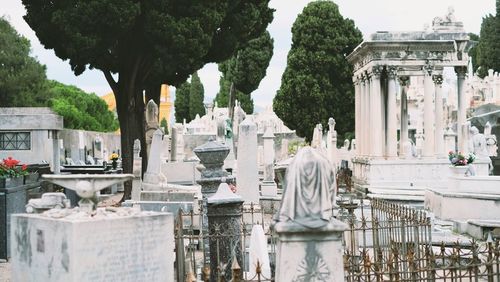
459	159
10	168
114	157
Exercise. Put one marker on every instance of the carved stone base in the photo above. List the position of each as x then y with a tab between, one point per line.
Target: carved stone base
305	254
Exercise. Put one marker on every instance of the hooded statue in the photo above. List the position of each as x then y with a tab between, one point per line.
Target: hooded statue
309	190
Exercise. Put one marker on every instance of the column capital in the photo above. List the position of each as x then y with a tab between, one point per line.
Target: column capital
392	72
376	71
404	80
438	79
428	68
461	71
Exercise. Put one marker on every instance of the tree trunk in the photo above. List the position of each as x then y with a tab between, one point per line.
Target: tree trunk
153	93
130	109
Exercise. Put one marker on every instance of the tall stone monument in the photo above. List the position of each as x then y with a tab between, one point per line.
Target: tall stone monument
153	176
305	223
268	185
247	179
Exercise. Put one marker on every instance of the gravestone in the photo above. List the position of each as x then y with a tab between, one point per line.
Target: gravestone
137	171
310	239
122	246
247	179
153	178
151	123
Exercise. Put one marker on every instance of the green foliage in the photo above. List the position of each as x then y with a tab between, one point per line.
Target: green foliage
222	98
485	53
182	102
488	49
473	51
317	82
196	96
164	124
245	69
81	110
22	78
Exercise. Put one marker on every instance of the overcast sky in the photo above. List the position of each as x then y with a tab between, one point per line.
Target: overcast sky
369	16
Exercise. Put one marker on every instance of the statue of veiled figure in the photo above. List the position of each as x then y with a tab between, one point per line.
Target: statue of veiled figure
309	190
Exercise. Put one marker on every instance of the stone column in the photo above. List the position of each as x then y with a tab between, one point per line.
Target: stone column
137	171
391	134
367	112
438	85
364	109
357	109
429	108
403	134
153	176
56	153
247	178
332	142
268	186
212	155
461	115
224	225
377	132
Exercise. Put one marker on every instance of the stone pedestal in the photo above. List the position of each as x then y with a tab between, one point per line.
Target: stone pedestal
305	254
268	187
224	219
135	247
212	155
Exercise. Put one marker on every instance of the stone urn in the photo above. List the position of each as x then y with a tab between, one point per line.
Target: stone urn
459	170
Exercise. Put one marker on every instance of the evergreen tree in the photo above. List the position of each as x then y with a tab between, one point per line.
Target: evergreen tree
488	49
181	103
144	43
22	77
317	82
196	96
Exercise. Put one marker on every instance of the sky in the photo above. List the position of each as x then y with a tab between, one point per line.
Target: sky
369	16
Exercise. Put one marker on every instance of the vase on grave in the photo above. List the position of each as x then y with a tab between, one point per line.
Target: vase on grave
459	170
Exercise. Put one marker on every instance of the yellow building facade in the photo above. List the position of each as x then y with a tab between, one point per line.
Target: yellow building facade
165	107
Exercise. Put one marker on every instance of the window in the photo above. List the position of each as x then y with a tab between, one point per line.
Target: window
15	141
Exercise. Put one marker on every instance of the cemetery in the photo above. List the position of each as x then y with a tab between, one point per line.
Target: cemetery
410	193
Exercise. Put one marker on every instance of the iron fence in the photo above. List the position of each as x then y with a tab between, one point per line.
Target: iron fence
191	261
394	243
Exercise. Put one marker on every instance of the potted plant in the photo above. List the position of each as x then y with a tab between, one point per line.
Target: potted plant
460	162
11	173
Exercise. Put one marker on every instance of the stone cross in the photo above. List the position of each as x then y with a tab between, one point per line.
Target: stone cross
151	123
247	178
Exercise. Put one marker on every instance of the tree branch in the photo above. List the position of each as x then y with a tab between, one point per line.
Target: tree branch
111	81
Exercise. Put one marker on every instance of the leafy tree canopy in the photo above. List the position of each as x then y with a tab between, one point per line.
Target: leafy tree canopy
317	82
144	43
245	69
79	109
22	77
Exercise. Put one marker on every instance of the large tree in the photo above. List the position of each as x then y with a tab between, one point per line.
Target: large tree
22	77
244	71
79	109
196	96
317	82
488	49
137	44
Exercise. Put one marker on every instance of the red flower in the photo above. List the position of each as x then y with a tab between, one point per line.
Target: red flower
24	167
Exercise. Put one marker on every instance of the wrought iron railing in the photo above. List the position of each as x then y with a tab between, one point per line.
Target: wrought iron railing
190	260
394	243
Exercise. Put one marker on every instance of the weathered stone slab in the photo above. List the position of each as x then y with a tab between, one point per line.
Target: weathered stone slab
129	248
167	196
